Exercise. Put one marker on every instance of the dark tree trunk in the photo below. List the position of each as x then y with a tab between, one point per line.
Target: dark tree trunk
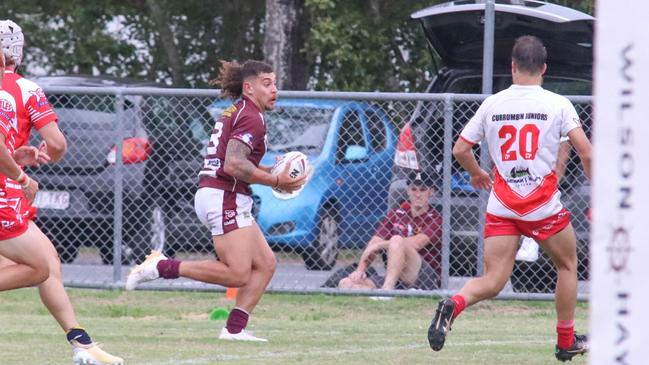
284	42
167	41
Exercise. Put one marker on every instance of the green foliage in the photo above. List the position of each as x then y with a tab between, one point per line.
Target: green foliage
366	45
118	38
350	45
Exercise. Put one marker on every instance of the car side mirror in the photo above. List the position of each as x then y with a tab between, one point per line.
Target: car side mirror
356	153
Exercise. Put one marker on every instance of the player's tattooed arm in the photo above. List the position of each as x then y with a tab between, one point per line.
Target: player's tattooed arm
238	166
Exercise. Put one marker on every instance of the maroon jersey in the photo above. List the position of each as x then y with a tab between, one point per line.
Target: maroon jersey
242	121
400	222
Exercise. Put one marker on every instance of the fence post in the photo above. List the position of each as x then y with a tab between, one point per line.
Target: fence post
447	166
118	189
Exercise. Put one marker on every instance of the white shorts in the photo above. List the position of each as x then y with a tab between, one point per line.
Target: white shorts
223	211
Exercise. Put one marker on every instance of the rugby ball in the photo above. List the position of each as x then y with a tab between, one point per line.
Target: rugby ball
298	166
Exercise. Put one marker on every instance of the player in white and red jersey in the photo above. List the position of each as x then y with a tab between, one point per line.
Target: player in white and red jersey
18	241
223	200
523	127
33	110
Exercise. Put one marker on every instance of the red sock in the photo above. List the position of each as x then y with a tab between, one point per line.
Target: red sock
565	334
237	321
460	304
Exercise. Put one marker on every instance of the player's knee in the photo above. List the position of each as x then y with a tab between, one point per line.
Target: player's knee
270	264
54	265
41	273
566	263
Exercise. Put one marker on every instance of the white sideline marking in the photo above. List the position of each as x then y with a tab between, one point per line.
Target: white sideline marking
278	355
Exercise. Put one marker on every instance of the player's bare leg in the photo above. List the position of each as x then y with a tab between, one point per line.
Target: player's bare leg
28	252
262	267
562	249
234	266
499	256
57	302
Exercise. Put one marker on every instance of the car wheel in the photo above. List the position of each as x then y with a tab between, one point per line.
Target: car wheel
323	252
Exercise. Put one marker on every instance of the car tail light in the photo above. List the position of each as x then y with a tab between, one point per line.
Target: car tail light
134	150
406	155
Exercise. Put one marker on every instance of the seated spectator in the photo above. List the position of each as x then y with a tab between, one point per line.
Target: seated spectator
410	237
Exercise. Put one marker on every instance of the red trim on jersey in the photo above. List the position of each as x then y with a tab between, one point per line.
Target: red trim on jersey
541	230
467	141
525	204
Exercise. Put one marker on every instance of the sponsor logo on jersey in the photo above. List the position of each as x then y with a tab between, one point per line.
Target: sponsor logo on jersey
519	172
213	163
522	176
247	137
7	224
229	222
41	99
229	214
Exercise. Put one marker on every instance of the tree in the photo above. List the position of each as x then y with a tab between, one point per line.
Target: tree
284	42
320	44
367	45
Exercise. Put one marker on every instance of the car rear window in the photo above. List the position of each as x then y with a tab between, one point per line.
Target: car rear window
560	85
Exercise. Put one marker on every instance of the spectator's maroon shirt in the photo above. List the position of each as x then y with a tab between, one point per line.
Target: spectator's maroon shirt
242	121
400	222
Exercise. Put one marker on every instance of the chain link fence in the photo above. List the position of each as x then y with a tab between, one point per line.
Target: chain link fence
126	186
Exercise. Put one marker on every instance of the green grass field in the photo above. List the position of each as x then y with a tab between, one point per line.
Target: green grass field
166	328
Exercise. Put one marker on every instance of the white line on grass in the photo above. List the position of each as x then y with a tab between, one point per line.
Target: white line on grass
288	354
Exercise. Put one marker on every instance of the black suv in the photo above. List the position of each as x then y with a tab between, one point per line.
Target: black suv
454	31
163	141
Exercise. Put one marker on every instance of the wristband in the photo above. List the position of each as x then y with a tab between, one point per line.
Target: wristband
25	184
21	177
276	182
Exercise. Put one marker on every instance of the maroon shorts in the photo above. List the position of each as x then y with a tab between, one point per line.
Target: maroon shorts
539	230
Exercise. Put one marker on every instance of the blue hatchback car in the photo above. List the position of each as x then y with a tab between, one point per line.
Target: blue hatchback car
351	146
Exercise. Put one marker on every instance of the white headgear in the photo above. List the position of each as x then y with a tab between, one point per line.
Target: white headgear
11	41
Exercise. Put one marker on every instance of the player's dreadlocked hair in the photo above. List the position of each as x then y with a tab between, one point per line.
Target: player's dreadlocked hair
232	76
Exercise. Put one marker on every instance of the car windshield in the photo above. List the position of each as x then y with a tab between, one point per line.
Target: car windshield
294	128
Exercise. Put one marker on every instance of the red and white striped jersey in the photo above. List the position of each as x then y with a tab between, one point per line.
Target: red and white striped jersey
33	109
8	129
523	127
